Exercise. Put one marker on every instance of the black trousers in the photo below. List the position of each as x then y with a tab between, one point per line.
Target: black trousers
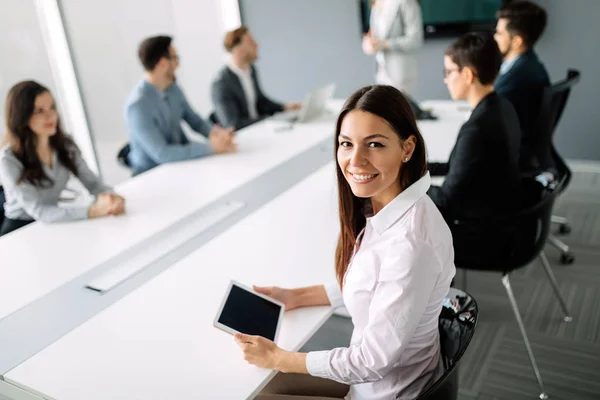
10	225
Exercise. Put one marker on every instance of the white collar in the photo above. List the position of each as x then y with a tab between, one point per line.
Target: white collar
508	64
237	70
397	207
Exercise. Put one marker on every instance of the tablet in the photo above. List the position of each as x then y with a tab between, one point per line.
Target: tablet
245	311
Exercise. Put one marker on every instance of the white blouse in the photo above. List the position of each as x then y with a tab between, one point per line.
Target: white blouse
393	289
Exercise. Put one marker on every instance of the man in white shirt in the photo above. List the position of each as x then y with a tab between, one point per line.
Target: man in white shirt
236	94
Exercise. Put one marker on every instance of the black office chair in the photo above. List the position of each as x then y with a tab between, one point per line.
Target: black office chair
2	201
123	156
457	327
553	104
524	235
213	118
566	256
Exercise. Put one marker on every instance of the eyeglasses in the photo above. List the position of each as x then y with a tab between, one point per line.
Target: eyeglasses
449	71
174	58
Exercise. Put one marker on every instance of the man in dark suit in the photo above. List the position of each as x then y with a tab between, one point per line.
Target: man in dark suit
236	94
482	176
522	76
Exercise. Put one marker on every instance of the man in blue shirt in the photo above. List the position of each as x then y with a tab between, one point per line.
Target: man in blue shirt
155	109
522	76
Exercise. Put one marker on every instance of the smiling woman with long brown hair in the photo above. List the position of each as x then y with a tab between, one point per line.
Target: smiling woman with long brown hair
38	161
394	264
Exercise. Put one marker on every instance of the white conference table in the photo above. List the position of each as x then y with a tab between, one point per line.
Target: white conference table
40	257
440	135
159	199
159	343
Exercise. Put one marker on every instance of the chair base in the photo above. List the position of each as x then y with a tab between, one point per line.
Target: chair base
564	229
563	304
513	303
559	220
566	257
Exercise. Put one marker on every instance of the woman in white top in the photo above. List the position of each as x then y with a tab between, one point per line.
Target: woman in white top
395	35
394	264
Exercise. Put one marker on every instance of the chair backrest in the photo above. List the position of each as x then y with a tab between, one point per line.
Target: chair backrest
554	100
507	242
533	224
2	200
458	321
123	156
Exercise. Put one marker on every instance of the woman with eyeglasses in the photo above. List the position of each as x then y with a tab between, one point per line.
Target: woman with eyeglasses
482	176
39	159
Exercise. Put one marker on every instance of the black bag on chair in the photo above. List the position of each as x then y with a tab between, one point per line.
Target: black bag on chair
123	156
457	324
2	201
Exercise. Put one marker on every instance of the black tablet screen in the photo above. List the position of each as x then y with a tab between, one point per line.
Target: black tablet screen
251	314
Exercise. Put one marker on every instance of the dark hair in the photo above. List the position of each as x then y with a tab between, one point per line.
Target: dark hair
477	50
152	49
390	104
525	19
234	37
20	104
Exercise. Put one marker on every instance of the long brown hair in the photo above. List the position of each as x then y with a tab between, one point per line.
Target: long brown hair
20	104
388	103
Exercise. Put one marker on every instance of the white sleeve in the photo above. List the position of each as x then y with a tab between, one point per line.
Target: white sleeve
334	294
406	281
410	12
30	199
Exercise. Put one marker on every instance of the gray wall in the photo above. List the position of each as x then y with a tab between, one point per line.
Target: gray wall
104	37
572	40
307	43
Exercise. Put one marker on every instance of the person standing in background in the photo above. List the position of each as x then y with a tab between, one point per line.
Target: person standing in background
395	35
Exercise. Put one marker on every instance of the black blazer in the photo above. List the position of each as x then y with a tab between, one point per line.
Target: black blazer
482	174
229	100
523	85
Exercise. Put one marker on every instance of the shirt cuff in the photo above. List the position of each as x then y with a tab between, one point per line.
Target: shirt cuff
317	364
79	213
103	189
334	294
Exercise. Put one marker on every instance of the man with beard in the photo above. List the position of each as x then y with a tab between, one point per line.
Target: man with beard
155	109
236	94
522	76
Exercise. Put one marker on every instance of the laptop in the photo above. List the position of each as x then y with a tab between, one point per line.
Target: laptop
313	107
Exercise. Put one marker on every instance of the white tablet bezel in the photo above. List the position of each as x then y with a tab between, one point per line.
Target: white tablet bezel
227	329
